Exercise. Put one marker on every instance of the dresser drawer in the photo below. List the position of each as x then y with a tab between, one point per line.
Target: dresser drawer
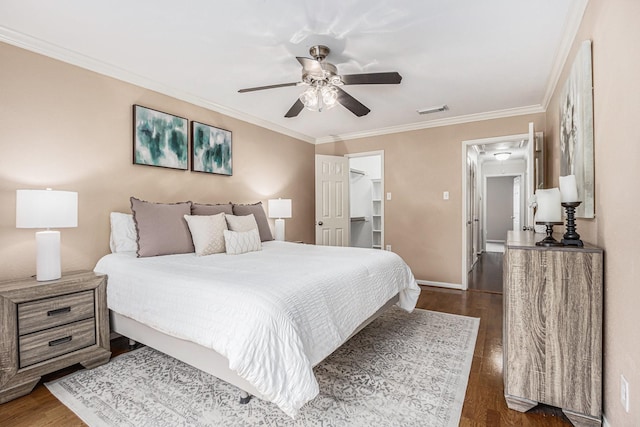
47	313
45	345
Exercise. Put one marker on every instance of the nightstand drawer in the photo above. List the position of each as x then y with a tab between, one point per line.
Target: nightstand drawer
45	345
48	313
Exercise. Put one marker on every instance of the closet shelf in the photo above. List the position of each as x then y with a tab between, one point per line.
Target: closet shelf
358	219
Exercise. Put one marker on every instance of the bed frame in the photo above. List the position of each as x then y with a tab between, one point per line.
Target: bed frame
200	357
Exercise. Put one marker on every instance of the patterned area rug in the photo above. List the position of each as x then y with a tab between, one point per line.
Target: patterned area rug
402	370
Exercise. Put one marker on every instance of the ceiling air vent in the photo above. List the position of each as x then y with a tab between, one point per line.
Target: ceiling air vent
437	109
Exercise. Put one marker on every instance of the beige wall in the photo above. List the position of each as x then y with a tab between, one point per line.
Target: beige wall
70	129
419	165
613	27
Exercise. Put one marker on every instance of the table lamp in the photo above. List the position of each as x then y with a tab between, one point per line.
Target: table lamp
280	208
47	209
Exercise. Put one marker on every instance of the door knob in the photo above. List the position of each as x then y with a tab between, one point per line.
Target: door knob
320	222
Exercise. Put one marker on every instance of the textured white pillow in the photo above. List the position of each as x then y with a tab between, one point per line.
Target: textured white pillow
241	223
207	233
240	242
123	233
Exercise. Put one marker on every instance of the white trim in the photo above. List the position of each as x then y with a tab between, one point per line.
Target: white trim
574	19
440	284
605	422
75	58
469	118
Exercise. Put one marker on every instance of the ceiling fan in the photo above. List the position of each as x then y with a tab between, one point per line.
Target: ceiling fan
324	83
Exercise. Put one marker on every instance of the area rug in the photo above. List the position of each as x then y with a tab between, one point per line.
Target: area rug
404	369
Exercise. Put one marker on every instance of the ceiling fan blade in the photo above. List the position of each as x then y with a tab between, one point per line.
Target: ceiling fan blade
251	89
372	78
351	104
309	65
295	109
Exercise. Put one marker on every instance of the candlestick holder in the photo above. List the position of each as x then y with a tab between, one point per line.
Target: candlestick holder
549	240
571	237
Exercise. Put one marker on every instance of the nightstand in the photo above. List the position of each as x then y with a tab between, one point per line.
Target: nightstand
47	326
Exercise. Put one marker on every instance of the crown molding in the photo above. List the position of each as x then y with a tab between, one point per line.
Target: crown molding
498	114
51	50
572	25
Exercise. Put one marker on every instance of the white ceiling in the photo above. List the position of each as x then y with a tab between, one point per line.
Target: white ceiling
483	59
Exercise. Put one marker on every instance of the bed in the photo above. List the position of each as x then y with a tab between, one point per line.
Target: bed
260	320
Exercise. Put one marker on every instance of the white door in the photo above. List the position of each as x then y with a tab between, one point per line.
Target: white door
531	148
516	203
332	200
470	207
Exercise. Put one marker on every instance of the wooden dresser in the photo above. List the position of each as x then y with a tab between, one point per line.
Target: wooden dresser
47	326
552	327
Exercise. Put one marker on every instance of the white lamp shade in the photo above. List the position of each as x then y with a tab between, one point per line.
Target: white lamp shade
46	209
280	208
549	207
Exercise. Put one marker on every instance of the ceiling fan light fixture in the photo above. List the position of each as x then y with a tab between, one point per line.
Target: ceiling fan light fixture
503	155
319	97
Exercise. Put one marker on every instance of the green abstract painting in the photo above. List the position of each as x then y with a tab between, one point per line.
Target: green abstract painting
211	149
159	139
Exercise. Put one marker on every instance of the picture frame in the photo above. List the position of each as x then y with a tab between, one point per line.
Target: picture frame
576	130
211	149
159	139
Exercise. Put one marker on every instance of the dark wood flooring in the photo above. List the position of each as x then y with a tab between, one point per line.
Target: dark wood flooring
486	274
484	403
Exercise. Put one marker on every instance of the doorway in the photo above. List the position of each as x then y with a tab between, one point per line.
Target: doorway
519	160
504	210
349	200
366	206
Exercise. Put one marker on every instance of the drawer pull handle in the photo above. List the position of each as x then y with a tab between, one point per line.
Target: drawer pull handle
59	341
58	311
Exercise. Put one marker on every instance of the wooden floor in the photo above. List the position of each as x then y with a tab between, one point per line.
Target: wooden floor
486	274
484	403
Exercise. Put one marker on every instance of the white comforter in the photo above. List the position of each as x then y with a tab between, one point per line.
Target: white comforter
273	314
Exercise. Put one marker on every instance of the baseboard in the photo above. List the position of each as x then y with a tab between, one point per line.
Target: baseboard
440	284
605	423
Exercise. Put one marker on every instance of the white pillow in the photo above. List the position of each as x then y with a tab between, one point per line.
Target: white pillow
240	242
241	222
206	232
124	237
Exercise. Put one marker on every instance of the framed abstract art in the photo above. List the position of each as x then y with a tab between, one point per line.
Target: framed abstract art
159	139
211	149
576	130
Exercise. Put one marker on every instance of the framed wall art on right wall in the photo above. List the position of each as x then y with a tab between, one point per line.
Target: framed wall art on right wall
576	130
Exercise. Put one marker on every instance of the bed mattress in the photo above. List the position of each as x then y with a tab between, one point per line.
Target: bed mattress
273	313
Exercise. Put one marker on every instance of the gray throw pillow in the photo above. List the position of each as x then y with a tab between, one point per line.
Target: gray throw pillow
261	218
203	209
161	227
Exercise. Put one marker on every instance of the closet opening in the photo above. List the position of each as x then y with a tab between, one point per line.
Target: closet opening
366	201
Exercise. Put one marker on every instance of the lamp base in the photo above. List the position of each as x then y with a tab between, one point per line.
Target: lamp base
548	240
279	229
48	255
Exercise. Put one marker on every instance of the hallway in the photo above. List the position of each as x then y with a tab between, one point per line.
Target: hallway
486	275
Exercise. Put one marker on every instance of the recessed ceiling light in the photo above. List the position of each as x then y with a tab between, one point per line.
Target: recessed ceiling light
437	109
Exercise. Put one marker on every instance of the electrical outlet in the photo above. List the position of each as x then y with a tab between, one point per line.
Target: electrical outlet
445	195
387	248
624	392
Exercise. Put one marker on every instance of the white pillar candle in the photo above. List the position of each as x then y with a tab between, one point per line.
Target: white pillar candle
568	188
549	208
